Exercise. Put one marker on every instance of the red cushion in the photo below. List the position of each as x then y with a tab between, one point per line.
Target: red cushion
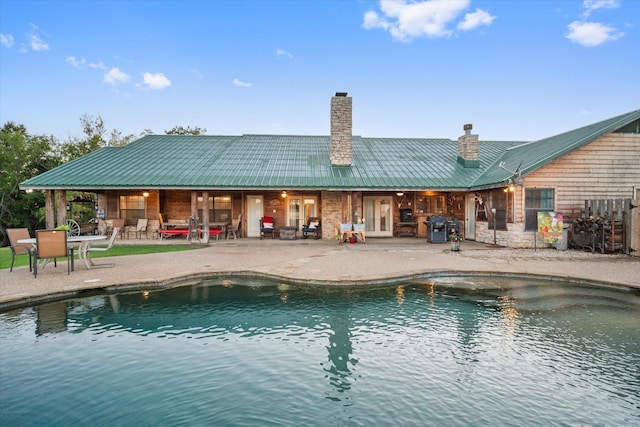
267	219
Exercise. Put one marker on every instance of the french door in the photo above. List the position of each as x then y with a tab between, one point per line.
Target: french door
299	209
378	215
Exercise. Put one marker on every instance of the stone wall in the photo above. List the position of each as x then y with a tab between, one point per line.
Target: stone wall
514	237
468	155
341	149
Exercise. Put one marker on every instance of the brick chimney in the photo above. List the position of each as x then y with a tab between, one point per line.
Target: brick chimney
468	148
341	149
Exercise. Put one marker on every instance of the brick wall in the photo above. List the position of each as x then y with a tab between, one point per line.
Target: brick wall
331	202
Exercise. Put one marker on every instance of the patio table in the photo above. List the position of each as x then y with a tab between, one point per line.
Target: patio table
84	245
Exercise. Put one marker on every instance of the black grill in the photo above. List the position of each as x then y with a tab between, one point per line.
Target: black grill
439	228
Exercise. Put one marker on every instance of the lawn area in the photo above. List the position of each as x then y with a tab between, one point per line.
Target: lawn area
119	250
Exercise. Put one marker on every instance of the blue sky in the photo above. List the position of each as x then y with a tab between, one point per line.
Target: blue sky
517	70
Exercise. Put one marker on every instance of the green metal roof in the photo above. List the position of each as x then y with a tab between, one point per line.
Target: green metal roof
302	162
534	155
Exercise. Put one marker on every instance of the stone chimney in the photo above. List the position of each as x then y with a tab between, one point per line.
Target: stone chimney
468	148
341	149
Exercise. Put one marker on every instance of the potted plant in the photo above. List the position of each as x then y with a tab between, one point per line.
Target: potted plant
64	227
455	238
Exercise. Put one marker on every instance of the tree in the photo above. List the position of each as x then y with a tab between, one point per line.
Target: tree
179	130
94	132
22	156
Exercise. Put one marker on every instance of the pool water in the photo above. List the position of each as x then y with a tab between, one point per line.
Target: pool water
231	352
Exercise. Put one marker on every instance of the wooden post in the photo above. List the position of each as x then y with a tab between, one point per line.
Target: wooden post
205	217
61	207
194	206
49	209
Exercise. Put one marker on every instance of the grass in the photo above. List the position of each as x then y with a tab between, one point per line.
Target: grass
119	250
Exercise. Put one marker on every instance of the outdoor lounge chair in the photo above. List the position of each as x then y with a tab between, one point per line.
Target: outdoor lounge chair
91	249
234	228
311	228
16	234
140	228
52	244
266	227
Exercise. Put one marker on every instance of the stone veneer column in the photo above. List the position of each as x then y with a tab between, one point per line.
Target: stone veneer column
341	149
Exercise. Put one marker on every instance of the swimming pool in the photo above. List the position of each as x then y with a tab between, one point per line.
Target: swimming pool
243	351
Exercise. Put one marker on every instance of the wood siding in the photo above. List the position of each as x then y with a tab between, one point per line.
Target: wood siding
607	168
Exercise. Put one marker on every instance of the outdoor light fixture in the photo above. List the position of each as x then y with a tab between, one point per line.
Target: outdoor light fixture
284	194
145	194
399	194
28	190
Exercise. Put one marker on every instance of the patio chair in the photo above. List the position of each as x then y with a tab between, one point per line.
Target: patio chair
52	244
140	228
312	227
92	248
234	228
16	234
266	227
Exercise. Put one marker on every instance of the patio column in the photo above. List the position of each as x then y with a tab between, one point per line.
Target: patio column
205	217
194	203
61	207
49	209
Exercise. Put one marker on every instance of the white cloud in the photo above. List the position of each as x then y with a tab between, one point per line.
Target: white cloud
6	40
240	83
98	65
115	76
475	19
592	5
156	81
37	43
405	19
591	34
280	52
81	63
77	63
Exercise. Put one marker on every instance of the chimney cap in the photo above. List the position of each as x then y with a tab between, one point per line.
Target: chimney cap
468	126
341	93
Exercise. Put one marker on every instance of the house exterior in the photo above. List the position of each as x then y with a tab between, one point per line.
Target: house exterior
385	183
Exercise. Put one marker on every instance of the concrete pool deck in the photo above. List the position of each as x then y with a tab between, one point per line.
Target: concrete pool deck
315	261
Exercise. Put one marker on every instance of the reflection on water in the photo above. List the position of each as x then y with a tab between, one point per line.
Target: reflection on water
234	352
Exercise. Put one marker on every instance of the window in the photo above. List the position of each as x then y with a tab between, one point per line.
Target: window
219	208
536	199
430	204
132	209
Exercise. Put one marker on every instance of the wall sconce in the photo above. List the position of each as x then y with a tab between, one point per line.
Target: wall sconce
399	194
29	190
284	194
145	194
